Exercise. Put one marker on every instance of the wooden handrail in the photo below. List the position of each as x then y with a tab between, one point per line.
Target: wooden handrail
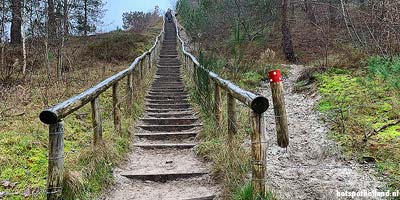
54	115
258	103
61	110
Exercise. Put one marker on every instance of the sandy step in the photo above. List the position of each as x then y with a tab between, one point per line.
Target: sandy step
162	177
152	111
168	93
168	90
169	121
169	135
168	67
170	114
166	96
168	101
190	189
165	146
168	106
210	197
168	83
168	128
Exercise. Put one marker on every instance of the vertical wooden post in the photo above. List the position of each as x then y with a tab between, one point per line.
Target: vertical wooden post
56	161
149	60
116	109
279	108
129	94
96	121
232	125
218	104
141	69
258	155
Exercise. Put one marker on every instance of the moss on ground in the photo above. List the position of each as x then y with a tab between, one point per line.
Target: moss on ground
356	103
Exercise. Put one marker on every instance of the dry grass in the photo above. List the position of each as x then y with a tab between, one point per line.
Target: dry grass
23	138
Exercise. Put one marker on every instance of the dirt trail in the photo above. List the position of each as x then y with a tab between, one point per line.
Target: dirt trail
312	167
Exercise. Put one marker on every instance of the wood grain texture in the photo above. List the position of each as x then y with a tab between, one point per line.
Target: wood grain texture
129	94
280	114
56	161
232	123
258	154
97	122
116	109
218	104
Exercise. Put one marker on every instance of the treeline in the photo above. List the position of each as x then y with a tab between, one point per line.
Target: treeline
33	32
139	21
298	28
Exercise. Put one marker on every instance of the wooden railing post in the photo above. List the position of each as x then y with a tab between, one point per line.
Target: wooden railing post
56	161
232	125
116	109
97	123
218	104
279	108
140	70
149	60
258	154
129	94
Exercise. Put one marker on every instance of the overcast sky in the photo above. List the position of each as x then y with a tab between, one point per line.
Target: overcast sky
115	9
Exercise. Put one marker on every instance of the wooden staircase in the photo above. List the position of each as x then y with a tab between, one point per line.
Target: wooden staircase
163	165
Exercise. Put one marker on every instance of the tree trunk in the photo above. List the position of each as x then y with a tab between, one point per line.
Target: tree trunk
309	9
16	22
52	27
23	42
287	43
332	13
85	19
66	17
2	36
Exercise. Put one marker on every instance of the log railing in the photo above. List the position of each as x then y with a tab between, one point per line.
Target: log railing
54	116
257	103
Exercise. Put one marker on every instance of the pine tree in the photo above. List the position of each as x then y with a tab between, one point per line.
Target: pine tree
86	14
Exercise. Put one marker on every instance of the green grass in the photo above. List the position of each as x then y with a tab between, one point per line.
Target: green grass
357	102
245	192
24	139
231	160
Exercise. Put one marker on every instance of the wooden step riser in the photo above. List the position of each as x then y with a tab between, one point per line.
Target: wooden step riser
156	111
165	136
166	128
167	86
169	121
171	115
168	106
212	197
164	177
162	146
153	97
167	93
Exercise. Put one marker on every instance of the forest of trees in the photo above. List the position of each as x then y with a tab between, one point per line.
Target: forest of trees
314	27
33	33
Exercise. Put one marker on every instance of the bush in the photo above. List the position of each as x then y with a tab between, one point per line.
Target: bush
386	68
118	46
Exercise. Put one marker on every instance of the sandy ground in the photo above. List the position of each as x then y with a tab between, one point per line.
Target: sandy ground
312	166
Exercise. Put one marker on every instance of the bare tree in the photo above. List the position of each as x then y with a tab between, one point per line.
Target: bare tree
16	22
287	43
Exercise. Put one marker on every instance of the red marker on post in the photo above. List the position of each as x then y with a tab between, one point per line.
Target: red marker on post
275	79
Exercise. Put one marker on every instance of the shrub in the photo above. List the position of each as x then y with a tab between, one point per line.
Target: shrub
386	68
